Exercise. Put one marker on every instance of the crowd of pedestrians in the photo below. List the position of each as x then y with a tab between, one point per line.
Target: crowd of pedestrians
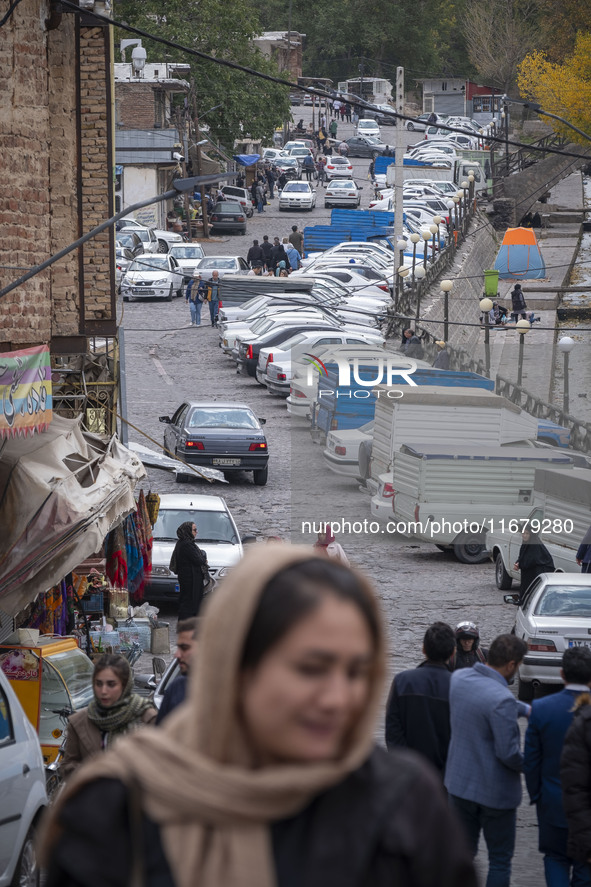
262	767
278	259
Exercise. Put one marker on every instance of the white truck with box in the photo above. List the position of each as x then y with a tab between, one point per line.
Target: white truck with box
561	516
451	495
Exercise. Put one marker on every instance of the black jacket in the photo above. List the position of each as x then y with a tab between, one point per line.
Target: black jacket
278	254
575	776
267	250
417	713
255	257
518	300
189	561
173	696
533	559
386	824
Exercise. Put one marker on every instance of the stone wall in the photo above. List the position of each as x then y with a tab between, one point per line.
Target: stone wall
476	255
41	207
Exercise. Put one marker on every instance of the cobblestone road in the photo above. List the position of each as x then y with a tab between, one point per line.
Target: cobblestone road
417	584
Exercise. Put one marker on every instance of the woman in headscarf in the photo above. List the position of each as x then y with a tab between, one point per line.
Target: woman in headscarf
583	556
533	559
113	711
268	775
188	562
329	545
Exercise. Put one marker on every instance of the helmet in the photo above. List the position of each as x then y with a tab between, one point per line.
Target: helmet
469	631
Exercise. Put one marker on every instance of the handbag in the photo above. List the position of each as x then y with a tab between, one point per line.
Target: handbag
207	580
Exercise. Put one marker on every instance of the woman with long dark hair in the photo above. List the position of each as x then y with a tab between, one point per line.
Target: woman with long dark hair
189	562
268	775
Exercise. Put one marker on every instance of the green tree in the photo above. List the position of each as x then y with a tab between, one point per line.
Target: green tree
248	106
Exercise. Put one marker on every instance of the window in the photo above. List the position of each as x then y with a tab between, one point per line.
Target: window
182	409
6	729
159	108
444	87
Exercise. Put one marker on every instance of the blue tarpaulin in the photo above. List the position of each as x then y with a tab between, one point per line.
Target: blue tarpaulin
246	159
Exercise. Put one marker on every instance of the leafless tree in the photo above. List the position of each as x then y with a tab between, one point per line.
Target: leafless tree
499	34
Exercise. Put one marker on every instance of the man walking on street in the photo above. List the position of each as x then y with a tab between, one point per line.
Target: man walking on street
484	761
255	257
186	643
214	297
278	254
333	129
297	239
260	196
548	725
271	179
267	250
417	713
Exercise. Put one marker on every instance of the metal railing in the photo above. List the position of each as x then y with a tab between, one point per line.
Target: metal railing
86	384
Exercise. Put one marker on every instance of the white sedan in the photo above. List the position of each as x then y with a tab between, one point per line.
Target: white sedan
150	275
338	167
342	192
298	195
133	225
554	614
367	127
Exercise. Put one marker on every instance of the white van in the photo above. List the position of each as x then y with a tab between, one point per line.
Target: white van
22	790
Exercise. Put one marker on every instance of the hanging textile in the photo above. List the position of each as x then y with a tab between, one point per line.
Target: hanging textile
116	557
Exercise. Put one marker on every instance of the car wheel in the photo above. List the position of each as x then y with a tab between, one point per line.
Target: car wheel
169	296
260	476
126	298
162	246
27	871
410	127
502	577
470	549
179	293
525	690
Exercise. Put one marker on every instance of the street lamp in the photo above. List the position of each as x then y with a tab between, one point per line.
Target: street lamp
414	239
566	345
486	306
522	326
465	188
471	185
401	246
419	274
455	200
426	235
434	229
446	288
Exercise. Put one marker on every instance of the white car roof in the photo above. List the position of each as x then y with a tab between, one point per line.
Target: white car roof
199	502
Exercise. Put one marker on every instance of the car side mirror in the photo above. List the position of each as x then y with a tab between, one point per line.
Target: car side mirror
360	187
511	599
165	419
263	421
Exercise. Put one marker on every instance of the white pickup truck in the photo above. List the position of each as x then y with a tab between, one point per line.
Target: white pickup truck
561	511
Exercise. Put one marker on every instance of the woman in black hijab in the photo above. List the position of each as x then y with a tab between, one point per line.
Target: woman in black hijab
187	562
533	559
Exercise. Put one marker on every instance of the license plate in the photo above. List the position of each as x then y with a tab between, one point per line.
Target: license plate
227	462
579	642
140	291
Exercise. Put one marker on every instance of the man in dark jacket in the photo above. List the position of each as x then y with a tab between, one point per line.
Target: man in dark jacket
468	650
186	644
441	362
548	724
255	257
411	344
575	775
296	238
266	249
278	254
417	714
518	305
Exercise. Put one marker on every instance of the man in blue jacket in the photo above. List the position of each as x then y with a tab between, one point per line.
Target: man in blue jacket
549	722
417	714
186	644
484	761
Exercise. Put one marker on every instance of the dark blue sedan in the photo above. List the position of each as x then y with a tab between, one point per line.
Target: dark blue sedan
226	436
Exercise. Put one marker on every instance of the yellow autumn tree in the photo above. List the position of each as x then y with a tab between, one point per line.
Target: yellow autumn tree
563	89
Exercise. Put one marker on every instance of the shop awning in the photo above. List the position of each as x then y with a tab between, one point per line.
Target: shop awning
246	159
61	491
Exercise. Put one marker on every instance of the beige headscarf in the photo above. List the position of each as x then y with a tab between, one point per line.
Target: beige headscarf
197	774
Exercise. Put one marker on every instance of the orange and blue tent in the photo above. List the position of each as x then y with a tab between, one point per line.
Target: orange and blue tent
519	256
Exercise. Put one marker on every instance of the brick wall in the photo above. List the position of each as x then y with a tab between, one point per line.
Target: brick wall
40	208
135	106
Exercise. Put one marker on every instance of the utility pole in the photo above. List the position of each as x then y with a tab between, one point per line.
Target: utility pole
202	188
399	157
180	125
361	70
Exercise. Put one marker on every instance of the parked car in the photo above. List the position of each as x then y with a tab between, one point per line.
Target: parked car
222	435
272	154
383	116
300	152
290	166
342	192
133	225
228	215
187	256
224	264
217	534
123	259
365	146
341	452
22	789
298	195
157	276
420	123
147	237
241	196
554	614
367	127
338	166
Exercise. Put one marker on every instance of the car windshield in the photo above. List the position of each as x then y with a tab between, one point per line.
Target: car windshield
227	206
565	600
222	418
223	264
345	184
212	526
186	252
127	238
143	235
149	263
339	161
296	186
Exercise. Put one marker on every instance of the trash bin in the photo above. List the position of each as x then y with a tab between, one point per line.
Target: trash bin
491	283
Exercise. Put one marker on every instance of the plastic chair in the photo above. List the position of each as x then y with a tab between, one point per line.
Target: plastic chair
158	667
